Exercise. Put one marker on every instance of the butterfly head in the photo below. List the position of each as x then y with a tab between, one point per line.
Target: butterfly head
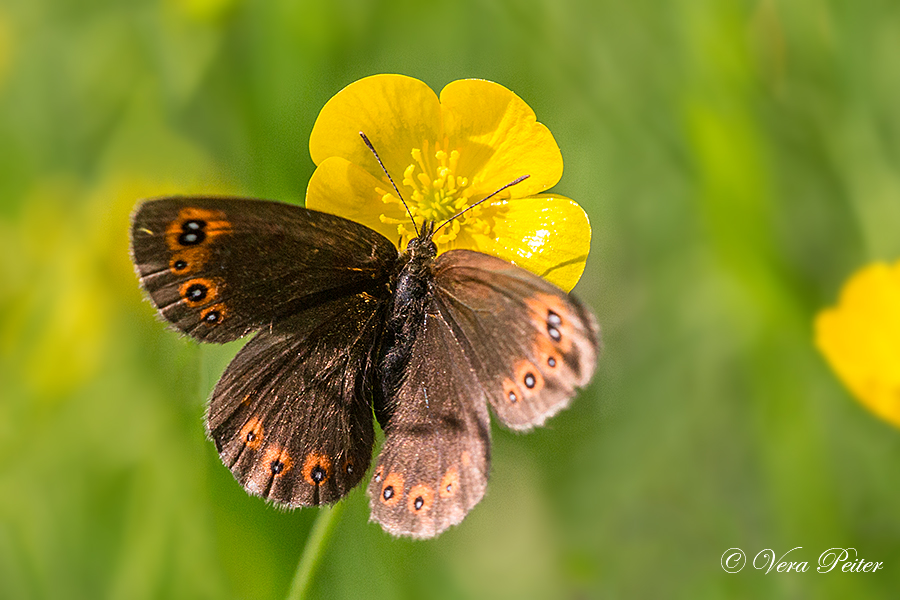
422	246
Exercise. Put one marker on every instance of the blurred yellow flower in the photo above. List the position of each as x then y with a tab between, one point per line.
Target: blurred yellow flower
860	338
446	154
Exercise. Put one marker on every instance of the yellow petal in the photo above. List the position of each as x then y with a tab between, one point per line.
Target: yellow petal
394	111
344	189
860	338
547	234
499	138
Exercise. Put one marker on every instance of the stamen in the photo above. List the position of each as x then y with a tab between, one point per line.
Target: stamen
454	159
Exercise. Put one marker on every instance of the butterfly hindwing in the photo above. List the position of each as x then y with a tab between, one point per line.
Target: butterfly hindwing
218	268
433	467
291	416
530	343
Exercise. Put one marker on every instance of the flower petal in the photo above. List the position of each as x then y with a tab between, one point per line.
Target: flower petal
341	188
547	234
394	111
499	138
860	338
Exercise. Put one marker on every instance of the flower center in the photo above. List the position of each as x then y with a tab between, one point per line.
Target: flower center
434	191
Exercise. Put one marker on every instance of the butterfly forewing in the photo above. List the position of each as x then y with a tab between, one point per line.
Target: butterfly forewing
530	343
434	465
291	415
218	268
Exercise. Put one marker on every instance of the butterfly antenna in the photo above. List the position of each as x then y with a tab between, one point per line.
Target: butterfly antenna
391	179
485	199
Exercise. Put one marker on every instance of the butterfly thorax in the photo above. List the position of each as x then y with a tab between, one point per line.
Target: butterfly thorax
415	265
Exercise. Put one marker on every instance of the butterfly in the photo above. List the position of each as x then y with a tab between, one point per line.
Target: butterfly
346	327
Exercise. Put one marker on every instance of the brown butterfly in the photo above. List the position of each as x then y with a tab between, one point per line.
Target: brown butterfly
346	325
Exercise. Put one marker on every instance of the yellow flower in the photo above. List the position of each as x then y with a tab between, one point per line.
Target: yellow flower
860	338
446	154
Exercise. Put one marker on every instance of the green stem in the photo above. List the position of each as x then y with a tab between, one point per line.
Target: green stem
312	552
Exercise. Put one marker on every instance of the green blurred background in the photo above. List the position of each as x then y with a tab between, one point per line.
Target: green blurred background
738	160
